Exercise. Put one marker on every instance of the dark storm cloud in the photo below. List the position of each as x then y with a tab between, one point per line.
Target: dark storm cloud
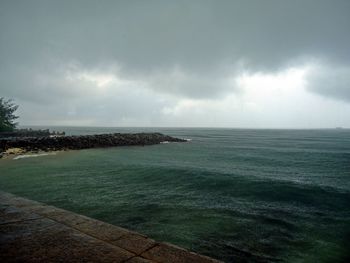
182	48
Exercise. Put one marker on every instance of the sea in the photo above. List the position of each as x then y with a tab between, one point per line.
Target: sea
238	195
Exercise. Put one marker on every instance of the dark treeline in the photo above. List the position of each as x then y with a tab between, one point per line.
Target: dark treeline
7	116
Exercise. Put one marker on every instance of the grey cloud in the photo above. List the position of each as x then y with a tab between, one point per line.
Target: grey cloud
117	107
198	35
43	83
207	41
333	82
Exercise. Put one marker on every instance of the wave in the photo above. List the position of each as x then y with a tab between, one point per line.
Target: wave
32	155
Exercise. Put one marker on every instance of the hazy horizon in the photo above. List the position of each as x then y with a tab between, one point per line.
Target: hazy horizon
184	127
230	64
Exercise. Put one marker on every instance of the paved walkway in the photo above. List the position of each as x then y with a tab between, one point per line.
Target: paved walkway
34	232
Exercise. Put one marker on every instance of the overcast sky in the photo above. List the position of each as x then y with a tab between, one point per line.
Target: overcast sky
237	63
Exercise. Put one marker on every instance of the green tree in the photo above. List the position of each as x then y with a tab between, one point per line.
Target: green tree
7	116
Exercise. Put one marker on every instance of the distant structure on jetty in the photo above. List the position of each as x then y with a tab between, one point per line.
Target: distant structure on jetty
30	133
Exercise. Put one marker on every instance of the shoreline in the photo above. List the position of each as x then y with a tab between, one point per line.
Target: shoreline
24	155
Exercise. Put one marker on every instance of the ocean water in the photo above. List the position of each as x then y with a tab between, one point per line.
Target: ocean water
233	194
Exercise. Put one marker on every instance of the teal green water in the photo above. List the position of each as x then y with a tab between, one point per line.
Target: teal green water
235	195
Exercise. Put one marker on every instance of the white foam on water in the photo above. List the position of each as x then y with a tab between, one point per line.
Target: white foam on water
32	155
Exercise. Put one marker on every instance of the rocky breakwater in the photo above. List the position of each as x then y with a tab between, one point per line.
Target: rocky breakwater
59	143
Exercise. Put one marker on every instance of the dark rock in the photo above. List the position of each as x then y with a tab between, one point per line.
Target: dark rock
50	143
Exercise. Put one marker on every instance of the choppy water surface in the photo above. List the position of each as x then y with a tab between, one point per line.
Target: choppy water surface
236	195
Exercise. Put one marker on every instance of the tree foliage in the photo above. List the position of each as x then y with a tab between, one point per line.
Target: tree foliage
7	116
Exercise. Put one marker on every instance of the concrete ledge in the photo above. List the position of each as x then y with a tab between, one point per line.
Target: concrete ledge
34	232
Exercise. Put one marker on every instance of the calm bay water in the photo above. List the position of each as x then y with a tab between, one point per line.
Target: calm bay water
236	195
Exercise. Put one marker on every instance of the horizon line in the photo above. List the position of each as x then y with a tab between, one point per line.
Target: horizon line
191	127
